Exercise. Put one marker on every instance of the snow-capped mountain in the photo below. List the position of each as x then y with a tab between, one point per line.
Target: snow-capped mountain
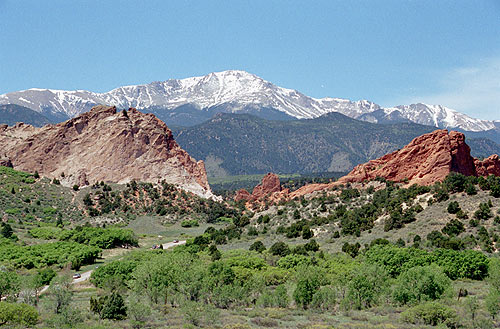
232	91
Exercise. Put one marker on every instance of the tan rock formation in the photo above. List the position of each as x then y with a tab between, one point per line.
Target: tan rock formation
103	145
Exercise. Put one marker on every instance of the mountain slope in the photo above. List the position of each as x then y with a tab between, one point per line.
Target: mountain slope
233	144
10	114
105	145
244	144
229	91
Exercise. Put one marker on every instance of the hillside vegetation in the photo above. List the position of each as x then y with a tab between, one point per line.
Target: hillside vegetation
366	255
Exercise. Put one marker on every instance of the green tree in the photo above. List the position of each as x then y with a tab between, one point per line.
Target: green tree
279	249
258	246
312	245
325	299
484	212
493	302
162	274
307	233
420	283
60	294
138	311
308	283
9	283
453	228
351	249
366	285
114	307
471	189
6	230
87	200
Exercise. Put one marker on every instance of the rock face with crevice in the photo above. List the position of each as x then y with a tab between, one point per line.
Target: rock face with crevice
105	145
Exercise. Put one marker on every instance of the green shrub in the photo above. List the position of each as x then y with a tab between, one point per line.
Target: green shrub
12	211
469	264
420	283
45	232
325	299
453	228
189	223
257	246
47	254
116	270
277	298
18	314
484	212
430	313
279	249
105	238
293	261
453	207
351	249
308	283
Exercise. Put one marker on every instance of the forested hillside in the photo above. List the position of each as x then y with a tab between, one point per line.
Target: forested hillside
240	144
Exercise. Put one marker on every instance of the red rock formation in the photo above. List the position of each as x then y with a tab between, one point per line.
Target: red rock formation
268	189
425	160
103	145
270	184
242	195
489	166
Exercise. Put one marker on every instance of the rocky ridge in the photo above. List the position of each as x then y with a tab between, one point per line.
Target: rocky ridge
105	145
426	160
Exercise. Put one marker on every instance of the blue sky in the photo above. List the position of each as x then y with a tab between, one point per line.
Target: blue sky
390	52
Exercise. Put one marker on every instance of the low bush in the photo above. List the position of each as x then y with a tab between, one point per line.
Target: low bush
189	223
18	314
430	313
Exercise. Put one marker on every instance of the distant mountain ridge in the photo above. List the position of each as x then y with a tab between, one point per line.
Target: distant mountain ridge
190	101
11	114
235	144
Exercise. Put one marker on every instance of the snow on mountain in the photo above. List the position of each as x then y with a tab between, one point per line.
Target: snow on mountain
441	116
239	90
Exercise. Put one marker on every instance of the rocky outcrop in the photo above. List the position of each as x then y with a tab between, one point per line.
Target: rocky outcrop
425	160
243	195
488	166
4	162
105	145
268	189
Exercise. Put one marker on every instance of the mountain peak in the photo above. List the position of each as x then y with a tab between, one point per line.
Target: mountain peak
233	91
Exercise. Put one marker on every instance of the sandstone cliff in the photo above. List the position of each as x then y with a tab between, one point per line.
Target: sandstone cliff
425	160
103	145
